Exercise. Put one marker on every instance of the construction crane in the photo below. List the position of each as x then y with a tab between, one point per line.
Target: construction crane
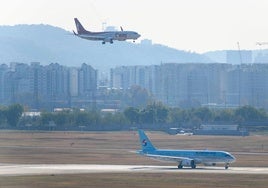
239	51
261	43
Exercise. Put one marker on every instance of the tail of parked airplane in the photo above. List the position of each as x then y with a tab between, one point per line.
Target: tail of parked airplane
79	27
145	142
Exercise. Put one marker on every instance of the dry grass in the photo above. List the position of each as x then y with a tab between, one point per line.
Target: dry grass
114	148
137	180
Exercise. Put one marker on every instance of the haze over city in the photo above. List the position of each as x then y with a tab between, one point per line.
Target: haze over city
190	25
85	113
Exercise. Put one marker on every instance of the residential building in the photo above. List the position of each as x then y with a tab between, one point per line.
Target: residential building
191	84
47	87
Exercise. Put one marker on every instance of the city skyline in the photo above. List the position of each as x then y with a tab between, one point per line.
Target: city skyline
215	85
184	85
191	25
49	86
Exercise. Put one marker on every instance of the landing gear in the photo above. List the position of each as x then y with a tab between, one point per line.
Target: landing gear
226	166
193	166
180	166
111	41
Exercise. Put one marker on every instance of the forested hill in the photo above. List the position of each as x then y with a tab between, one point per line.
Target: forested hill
48	44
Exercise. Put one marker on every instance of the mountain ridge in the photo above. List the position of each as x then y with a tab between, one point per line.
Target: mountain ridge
49	44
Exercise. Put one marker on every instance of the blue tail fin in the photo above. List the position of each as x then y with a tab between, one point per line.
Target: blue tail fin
145	142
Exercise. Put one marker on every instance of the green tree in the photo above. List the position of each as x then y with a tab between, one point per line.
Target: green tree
148	116
179	116
155	113
203	113
137	96
62	118
249	113
13	114
2	115
107	119
82	119
162	114
46	117
120	118
132	114
224	115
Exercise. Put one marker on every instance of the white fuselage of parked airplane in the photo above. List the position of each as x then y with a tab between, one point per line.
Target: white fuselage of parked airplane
184	157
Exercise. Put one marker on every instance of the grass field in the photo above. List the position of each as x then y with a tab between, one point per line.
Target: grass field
119	148
136	180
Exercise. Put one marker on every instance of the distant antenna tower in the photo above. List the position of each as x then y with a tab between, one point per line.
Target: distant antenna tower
260	44
104	24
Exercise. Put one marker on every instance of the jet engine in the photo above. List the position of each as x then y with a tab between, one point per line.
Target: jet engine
210	164
187	162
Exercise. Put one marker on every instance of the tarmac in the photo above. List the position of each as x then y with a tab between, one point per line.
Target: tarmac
52	169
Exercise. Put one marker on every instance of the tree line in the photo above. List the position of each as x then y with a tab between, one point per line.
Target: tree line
152	115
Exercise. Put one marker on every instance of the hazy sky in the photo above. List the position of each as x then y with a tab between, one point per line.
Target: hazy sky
194	25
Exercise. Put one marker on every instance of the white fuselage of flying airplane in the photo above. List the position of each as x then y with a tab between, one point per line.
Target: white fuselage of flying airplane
184	157
110	35
107	36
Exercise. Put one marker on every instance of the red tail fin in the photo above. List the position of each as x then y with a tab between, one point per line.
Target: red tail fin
79	27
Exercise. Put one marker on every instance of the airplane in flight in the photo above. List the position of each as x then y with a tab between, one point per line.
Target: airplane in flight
189	158
107	36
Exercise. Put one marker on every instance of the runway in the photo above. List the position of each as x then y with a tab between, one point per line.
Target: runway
52	169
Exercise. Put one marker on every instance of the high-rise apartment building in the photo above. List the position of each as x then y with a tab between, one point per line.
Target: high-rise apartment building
47	87
239	57
182	85
3	69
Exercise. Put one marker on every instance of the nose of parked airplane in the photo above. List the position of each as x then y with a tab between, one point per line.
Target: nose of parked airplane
231	158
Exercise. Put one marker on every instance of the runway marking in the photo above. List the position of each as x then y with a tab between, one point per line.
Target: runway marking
38	169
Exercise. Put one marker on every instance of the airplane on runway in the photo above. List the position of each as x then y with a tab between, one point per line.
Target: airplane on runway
108	36
184	157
